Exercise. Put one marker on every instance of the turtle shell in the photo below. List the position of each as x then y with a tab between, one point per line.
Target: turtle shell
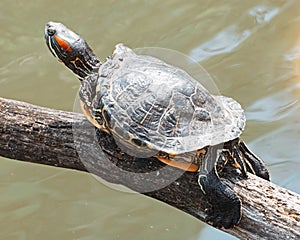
149	104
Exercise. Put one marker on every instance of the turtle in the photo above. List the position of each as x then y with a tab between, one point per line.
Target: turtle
153	108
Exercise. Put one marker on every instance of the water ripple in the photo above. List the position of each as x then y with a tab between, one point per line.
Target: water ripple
231	37
223	42
276	106
22	61
263	14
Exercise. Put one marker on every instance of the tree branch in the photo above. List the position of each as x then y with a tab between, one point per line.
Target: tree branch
64	139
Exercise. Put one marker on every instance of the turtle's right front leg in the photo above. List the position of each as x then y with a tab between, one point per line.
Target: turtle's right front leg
86	94
91	104
226	206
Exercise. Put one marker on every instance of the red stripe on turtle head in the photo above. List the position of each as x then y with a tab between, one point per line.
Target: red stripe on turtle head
63	44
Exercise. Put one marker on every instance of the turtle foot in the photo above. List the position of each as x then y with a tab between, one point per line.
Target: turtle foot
226	206
224	215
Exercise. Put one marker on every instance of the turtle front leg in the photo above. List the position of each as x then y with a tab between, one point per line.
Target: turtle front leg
86	94
90	104
226	206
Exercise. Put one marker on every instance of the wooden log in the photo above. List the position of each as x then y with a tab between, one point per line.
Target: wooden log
64	139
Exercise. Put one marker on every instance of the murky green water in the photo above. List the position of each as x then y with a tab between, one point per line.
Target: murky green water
251	49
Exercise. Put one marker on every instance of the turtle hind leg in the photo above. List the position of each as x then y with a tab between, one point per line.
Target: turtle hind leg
254	164
226	206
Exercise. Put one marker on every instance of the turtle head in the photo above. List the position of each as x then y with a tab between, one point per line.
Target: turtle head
71	49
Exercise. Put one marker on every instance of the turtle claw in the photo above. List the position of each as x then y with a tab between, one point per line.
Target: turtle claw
226	218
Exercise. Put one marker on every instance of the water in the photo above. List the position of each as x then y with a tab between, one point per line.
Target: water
250	48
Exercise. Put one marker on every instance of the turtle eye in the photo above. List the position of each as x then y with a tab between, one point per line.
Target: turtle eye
51	31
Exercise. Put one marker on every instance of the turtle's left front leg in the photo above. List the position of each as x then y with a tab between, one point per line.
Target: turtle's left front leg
226	206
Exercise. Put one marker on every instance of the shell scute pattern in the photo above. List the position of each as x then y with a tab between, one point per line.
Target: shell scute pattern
163	106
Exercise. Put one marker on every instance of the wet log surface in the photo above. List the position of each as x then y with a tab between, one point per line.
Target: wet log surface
64	139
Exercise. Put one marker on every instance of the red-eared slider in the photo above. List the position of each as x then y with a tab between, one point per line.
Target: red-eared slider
153	108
